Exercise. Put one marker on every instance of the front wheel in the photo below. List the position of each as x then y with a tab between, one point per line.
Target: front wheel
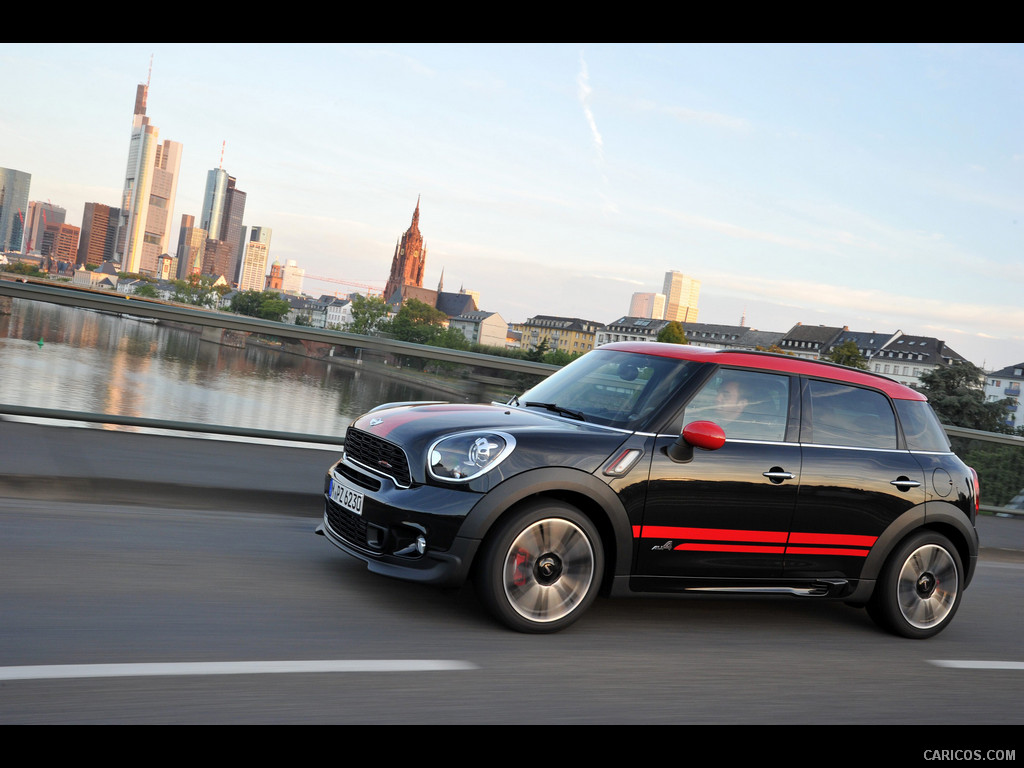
919	589
541	568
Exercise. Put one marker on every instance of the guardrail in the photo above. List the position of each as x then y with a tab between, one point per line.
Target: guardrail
167	424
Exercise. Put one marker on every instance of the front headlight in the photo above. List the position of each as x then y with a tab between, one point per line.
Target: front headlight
461	458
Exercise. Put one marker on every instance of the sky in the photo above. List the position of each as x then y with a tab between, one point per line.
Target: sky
873	186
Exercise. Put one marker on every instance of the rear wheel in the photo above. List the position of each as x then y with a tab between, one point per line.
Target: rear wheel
920	586
541	568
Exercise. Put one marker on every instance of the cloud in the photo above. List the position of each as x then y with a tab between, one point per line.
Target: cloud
684	115
583	91
843	301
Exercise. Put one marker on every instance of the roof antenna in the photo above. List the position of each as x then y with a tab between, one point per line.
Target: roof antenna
222	145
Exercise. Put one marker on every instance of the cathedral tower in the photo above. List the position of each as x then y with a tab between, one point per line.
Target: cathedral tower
409	259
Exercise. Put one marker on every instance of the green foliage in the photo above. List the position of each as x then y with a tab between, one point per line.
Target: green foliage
198	290
147	291
957	394
536	354
559	357
267	305
369	315
418	322
673	333
774	349
23	268
847	354
1000	468
451	338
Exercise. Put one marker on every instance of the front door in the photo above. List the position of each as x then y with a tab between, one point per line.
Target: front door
726	512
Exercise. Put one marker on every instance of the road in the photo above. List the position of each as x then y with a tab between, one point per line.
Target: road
99	584
222	567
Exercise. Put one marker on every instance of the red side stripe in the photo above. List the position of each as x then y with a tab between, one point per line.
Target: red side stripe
730	548
827	543
712	534
852	540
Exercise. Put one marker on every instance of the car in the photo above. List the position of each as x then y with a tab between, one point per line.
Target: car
644	468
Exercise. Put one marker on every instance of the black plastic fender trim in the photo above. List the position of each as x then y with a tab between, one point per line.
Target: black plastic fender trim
554	479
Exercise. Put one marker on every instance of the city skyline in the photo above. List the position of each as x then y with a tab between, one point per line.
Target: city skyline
874	186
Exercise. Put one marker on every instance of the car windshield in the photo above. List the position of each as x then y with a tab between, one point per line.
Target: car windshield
617	389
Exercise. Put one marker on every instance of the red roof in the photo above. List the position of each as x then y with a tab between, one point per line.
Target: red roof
770	361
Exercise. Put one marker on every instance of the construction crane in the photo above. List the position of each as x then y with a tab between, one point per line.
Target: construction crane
371	290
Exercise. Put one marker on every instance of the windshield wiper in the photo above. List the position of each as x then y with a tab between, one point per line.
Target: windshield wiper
559	410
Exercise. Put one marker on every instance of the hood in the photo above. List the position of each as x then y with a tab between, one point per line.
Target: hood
406	423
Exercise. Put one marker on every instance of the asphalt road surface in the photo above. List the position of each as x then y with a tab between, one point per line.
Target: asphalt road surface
139	613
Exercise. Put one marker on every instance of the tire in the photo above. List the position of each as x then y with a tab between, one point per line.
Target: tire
541	567
920	586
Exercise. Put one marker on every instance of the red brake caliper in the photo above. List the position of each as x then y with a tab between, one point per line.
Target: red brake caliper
519	574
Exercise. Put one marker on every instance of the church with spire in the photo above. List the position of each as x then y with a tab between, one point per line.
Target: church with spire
406	279
409	260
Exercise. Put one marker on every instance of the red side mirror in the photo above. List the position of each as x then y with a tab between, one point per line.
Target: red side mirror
704	434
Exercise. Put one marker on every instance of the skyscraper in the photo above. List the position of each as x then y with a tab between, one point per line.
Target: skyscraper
254	268
13	207
99	234
649	305
40	217
191	247
223	207
681	295
150	185
291	277
409	260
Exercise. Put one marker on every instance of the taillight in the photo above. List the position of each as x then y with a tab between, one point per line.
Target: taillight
977	491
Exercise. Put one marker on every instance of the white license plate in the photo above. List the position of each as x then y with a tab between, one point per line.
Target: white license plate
346	497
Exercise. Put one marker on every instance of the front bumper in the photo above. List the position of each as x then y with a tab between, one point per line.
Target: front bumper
392	520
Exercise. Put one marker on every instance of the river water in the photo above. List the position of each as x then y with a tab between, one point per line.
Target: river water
77	359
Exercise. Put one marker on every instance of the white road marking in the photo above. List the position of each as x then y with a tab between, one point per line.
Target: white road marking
973	664
64	671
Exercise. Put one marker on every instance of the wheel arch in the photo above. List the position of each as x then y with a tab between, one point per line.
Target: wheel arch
583	491
939	516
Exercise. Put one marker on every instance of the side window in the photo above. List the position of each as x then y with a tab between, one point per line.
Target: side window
748	405
921	427
843	415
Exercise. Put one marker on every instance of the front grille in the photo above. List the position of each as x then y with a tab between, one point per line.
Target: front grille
349	526
378	455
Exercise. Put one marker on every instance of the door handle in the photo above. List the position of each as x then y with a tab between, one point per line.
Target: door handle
777	475
904	483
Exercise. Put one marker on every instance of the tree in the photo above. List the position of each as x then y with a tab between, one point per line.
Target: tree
418	322
957	394
536	354
267	305
147	291
847	354
198	290
369	315
673	333
23	268
451	338
559	357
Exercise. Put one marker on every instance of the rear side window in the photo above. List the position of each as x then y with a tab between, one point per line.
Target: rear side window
921	427
839	414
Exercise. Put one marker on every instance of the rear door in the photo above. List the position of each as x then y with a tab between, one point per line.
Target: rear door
856	478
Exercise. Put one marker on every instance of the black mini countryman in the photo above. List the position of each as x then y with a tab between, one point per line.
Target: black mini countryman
646	468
